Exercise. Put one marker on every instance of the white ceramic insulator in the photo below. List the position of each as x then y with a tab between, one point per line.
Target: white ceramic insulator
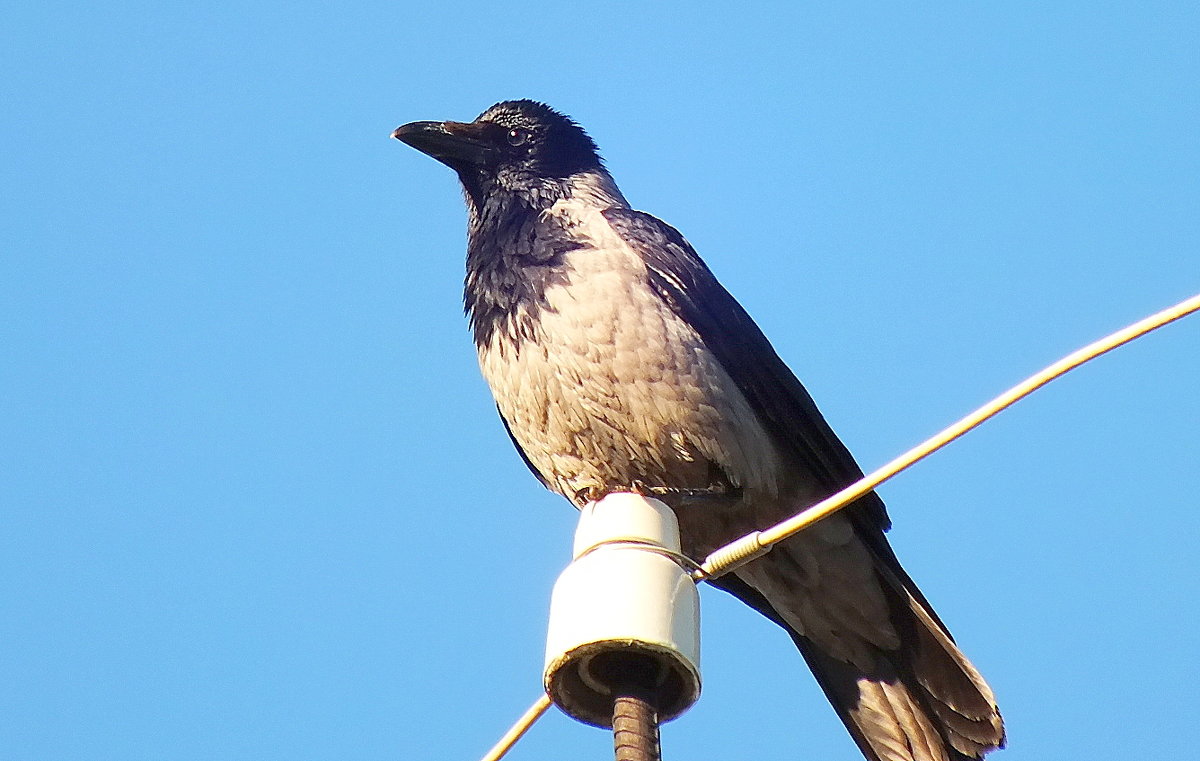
624	592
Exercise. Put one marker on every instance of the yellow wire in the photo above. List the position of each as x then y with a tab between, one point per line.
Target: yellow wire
519	729
752	545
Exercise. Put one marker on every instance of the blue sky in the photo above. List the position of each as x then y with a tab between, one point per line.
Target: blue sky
255	502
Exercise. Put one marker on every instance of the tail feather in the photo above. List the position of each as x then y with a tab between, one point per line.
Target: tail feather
956	692
920	701
894	718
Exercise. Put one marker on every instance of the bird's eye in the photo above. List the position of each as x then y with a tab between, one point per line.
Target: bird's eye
518	137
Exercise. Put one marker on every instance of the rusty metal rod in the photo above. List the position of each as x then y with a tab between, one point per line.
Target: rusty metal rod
635	727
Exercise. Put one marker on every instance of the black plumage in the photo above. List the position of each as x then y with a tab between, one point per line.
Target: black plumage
618	363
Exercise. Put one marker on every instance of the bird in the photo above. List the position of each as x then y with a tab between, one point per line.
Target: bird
618	363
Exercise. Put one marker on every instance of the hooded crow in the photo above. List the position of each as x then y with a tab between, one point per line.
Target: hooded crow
619	363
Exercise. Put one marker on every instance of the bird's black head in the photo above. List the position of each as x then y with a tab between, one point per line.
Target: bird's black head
517	145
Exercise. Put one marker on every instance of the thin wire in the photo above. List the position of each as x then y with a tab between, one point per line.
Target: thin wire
518	730
681	560
760	542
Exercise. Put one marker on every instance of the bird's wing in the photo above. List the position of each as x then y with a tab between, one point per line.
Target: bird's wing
684	282
887	664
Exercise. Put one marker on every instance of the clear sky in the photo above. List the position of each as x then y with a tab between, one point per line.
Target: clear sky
255	502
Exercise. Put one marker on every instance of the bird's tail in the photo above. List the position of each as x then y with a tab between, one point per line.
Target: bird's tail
913	698
923	701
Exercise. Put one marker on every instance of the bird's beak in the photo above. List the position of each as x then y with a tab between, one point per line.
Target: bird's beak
454	144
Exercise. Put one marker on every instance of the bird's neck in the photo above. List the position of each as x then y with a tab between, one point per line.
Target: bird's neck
517	246
506	201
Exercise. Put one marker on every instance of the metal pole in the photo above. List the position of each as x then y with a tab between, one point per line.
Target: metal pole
634	678
635	728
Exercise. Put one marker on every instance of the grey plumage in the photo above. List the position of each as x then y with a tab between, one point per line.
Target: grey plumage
618	362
